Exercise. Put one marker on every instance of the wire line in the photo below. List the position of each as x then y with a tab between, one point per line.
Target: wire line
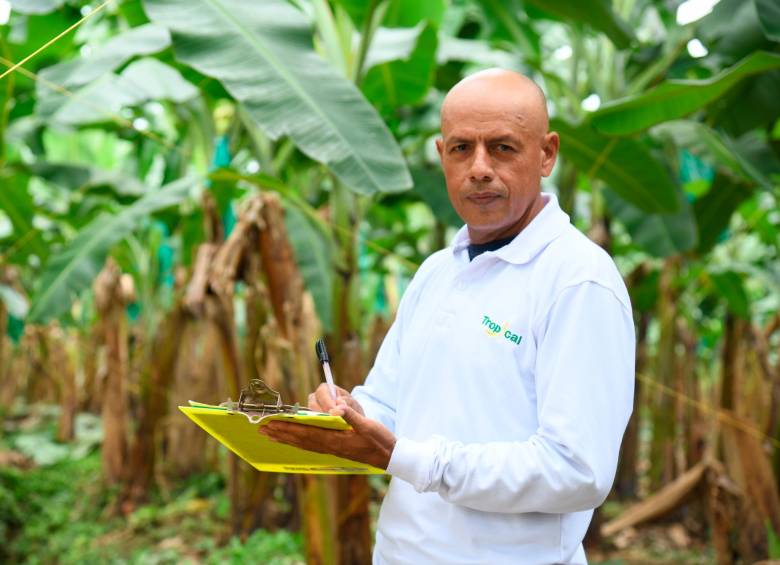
95	108
54	40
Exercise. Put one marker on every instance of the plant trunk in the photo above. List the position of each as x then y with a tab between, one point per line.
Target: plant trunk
732	361
111	307
663	408
154	405
62	366
188	449
89	353
7	381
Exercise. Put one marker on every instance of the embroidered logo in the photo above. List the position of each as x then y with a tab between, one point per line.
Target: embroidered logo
493	329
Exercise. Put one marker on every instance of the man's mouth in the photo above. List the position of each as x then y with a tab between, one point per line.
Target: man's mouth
483	198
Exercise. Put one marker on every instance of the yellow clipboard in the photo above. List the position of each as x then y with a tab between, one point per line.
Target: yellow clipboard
236	432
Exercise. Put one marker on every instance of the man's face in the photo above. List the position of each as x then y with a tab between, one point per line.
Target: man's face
494	153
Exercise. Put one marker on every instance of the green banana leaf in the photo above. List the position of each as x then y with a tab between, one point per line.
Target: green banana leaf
748	158
429	185
103	99
263	56
313	255
24	35
675	99
408	13
660	235
597	14
399	13
16	203
752	104
730	286
713	211
769	16
513	25
625	165
82	177
732	31
158	81
36	6
75	73
392	44
405	82
72	269
474	51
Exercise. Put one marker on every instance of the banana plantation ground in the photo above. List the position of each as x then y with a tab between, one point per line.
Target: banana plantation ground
186	204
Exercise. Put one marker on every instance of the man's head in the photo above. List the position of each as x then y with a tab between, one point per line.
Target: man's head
494	149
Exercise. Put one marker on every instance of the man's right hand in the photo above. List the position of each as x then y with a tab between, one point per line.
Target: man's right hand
321	401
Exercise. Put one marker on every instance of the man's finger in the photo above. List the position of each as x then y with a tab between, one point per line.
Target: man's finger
354	418
323	397
355	405
313	404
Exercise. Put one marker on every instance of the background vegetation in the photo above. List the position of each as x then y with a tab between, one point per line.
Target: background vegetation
191	192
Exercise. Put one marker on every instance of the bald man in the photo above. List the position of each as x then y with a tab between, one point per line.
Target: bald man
500	395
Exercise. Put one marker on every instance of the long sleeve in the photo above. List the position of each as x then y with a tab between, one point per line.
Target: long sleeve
378	394
584	380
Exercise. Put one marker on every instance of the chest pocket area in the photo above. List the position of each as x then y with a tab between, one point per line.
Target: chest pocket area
505	339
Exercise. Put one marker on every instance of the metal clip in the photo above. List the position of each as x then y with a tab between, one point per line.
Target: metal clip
259	400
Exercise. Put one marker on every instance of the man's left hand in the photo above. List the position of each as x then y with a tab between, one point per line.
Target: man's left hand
367	442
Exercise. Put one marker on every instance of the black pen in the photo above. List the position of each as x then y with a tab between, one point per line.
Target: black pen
322	354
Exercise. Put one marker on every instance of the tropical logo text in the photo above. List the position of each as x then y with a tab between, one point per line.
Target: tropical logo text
493	330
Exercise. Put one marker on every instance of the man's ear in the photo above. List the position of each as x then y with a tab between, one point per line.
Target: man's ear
550	147
440	146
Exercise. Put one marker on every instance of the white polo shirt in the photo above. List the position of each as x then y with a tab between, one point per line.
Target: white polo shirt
508	381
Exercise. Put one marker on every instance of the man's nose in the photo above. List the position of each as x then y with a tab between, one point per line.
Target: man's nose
481	167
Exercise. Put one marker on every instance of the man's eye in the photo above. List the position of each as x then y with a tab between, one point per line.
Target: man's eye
459	148
503	147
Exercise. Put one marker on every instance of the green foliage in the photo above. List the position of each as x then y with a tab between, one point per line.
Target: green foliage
73	268
314	256
428	183
774	542
769	16
405	82
59	513
730	286
714	210
83	178
279	548
92	77
597	14
660	235
263	56
17	204
626	165
675	99
293	109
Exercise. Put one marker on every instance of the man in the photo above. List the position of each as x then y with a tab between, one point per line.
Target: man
500	395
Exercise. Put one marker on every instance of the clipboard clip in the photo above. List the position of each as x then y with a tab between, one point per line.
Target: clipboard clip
259	400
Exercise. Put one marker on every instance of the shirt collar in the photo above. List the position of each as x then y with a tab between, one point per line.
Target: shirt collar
548	224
